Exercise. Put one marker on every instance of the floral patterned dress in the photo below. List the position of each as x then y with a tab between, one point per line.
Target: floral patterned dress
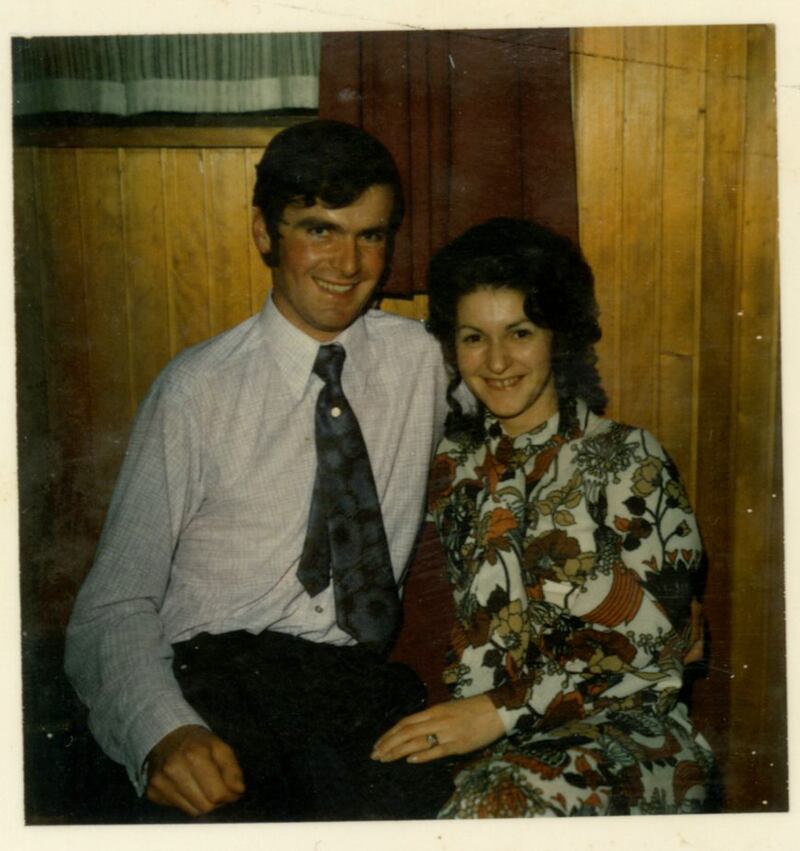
572	553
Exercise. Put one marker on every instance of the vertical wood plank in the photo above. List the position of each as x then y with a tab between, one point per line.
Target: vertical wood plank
758	697
599	42
228	238
187	264
772	750
260	276
676	403
106	314
76	517
686	48
598	122
36	528
411	308
145	253
683	180
681	241
726	58
641	212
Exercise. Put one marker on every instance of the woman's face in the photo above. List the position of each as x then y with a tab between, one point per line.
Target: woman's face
505	359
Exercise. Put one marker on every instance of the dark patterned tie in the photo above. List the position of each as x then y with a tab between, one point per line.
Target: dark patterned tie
345	529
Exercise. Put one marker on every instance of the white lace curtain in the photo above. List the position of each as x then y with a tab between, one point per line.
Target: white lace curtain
125	75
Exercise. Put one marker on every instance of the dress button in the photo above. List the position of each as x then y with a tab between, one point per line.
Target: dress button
318	609
336	412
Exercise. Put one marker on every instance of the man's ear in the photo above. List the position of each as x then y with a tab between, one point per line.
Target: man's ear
260	233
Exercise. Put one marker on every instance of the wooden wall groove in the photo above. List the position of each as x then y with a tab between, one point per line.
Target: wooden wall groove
131	247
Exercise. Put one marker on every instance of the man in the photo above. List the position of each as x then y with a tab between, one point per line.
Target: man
224	656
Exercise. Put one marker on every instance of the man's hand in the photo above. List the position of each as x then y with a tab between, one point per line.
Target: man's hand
193	770
459	726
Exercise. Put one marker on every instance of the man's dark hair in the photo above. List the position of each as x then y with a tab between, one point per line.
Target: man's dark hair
326	161
555	280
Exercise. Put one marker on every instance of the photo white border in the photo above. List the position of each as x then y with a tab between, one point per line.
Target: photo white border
730	832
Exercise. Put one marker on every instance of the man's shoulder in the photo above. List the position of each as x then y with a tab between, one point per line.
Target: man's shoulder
218	357
400	332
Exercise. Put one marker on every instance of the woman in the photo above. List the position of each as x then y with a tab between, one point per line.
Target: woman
572	552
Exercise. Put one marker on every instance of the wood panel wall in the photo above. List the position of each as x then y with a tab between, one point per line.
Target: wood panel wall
134	244
676	152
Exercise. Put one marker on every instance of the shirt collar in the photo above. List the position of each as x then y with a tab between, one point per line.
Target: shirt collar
356	342
295	352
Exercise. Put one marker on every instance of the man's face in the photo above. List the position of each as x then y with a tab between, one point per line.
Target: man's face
330	260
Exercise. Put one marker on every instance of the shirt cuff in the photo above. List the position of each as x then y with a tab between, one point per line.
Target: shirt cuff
148	728
511	717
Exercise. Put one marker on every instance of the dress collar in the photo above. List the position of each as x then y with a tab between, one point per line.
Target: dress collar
567	423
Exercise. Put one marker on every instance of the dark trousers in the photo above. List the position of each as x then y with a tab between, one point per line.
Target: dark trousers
302	719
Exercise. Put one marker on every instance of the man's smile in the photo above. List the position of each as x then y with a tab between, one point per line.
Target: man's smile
332	287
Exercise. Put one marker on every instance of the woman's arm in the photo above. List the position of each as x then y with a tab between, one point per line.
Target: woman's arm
592	611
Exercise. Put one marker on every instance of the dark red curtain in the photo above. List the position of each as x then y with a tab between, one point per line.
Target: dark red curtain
479	123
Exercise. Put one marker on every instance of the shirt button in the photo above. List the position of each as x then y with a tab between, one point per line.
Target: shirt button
336	412
318	609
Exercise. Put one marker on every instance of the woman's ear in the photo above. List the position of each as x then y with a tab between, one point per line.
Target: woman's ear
260	233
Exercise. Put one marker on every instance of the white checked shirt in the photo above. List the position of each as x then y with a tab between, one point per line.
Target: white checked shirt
208	518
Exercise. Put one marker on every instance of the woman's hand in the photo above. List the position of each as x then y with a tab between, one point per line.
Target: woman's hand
459	726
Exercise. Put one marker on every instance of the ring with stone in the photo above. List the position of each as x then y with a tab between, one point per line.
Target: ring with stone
432	739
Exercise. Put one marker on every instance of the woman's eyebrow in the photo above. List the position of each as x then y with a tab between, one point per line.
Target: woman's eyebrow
523	321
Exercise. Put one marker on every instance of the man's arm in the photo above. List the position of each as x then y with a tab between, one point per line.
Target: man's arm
118	656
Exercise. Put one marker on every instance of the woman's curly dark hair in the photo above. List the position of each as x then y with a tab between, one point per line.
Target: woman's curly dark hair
558	286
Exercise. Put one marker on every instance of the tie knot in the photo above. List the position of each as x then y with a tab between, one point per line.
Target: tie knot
328	365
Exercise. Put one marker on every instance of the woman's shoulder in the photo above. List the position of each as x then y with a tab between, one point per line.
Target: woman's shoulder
623	449
601	427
